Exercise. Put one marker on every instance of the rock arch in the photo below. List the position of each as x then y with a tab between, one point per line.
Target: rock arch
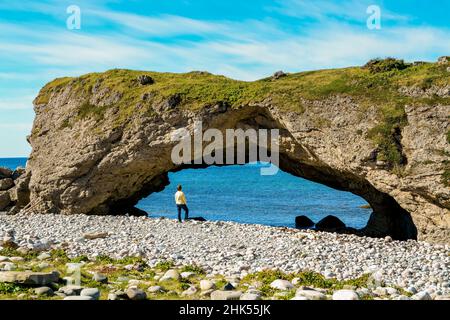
100	165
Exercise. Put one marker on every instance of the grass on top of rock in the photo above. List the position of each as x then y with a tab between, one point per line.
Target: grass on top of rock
374	85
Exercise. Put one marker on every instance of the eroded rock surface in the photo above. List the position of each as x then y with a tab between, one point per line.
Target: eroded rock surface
98	151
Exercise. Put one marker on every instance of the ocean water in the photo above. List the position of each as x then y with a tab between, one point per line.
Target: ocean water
241	194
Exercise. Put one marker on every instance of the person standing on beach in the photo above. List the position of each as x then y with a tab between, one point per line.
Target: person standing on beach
180	201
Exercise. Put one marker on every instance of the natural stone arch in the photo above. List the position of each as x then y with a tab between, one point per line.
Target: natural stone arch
90	159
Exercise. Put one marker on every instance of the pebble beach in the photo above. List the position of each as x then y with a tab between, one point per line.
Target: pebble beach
235	250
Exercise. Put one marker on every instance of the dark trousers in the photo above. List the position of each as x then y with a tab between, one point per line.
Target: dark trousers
186	211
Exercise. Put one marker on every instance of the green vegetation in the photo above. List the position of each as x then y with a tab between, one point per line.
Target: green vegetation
193	268
446	174
164	265
374	85
385	65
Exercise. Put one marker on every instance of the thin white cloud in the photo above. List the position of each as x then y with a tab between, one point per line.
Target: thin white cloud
354	10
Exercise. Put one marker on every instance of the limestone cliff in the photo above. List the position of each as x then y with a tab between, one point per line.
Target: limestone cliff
102	141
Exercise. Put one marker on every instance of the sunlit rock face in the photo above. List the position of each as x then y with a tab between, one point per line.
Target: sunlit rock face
102	142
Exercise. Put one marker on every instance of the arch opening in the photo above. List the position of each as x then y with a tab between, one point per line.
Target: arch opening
387	218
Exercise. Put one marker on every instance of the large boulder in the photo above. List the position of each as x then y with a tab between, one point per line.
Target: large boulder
6	184
330	223
29	278
303	222
5	173
5	200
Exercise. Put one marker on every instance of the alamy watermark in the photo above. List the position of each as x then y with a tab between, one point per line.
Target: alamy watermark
237	146
374	20
73	22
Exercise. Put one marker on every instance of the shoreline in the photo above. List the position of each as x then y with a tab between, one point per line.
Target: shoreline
236	250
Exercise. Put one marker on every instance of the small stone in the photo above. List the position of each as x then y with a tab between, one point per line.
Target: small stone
155	289
187	274
91	292
44	256
422	295
345	295
380	291
388	239
97	235
190	291
78	298
228	287
225	295
136	294
411	289
43	291
250	296
310	294
100	278
170	275
391	291
16	259
71	290
206	285
112	296
281	284
8	266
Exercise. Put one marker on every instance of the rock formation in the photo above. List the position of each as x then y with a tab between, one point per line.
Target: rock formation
101	142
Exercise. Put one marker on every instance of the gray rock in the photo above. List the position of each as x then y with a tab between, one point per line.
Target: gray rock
78	298
187	274
44	256
281	284
136	294
6	184
44	291
345	295
5	173
422	295
250	296
155	289
145	80
310	294
71	290
91	292
225	295
278	75
100	278
5	200
170	275
206	285
112	296
190	291
28	277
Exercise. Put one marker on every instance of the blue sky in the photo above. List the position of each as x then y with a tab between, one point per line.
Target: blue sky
241	39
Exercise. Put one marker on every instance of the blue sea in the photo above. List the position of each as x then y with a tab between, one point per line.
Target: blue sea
241	194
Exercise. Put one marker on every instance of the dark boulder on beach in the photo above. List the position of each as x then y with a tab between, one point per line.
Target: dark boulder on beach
330	223
197	219
303	222
5	173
